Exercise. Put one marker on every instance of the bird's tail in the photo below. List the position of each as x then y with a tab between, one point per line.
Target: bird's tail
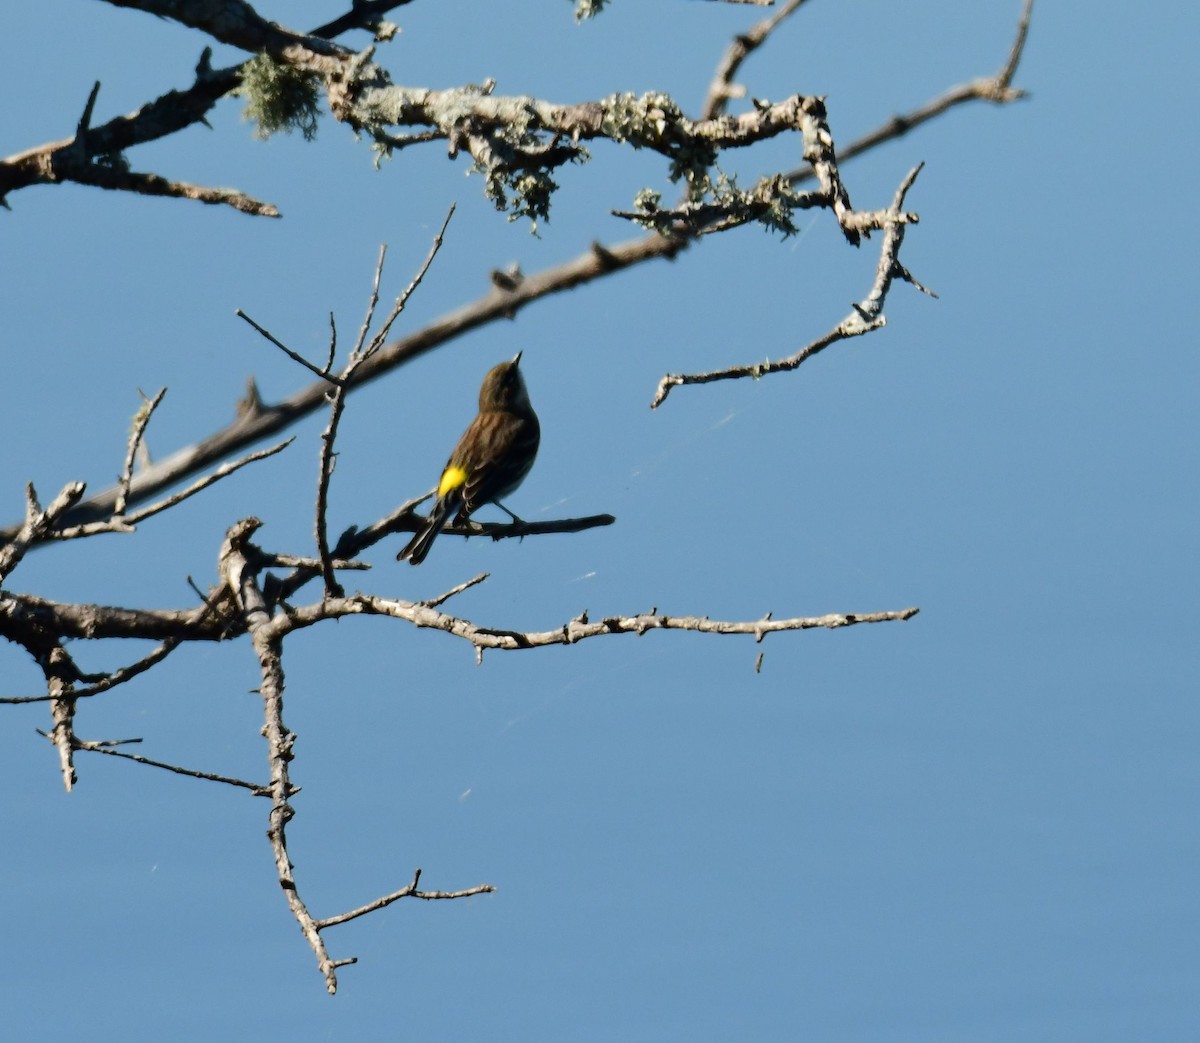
416	548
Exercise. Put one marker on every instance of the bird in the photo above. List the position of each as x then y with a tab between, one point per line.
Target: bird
491	459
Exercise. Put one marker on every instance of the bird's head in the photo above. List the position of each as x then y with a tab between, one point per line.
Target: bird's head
503	389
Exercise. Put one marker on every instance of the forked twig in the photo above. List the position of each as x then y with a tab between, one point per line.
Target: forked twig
140	421
867	314
361	353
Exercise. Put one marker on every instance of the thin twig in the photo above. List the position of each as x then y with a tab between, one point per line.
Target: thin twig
91	746
209	479
295	561
996	89
867	314
324	475
1005	77
372	301
337	405
332	344
441	599
117	677
381	336
324	374
744	44
127	523
85	121
39	525
140	421
409	891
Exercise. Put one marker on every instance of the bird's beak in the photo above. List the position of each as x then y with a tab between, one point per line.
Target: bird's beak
517	357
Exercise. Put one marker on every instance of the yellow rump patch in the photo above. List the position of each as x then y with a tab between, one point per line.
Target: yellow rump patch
452	478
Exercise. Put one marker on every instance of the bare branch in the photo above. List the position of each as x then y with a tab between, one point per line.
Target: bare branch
236	23
363	14
60	673
421	614
324	374
88	746
368	318
441	599
117	677
119	180
1005	76
126	673
81	158
867	315
23	616
379	338
238	570
39	525
722	88
410	891
140	422
126	523
510	530
996	89
293	561
499	303
358	357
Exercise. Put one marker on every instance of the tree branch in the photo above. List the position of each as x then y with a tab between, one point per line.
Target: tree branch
79	158
238	571
422	614
105	748
597	262
867	314
39	524
140	421
410	891
178	109
722	88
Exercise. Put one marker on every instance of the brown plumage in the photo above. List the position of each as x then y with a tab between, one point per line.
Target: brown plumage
492	457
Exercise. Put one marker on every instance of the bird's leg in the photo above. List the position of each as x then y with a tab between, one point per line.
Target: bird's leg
516	520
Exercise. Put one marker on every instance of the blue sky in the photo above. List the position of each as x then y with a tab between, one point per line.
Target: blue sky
980	824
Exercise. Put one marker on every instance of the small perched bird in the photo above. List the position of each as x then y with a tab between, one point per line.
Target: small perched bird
491	459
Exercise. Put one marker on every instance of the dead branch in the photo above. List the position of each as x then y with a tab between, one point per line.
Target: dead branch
867	314
93	155
594	263
140	421
359	355
722	88
423	614
127	522
409	891
106	747
38	524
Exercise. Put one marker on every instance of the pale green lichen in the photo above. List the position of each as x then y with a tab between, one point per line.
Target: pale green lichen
715	205
770	202
654	120
279	97
522	193
585	9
